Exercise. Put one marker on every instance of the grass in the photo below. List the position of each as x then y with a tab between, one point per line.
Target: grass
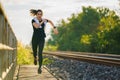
25	56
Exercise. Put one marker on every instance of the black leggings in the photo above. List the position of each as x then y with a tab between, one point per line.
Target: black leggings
38	43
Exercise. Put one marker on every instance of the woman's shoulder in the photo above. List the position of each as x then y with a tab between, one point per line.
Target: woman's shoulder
32	20
45	19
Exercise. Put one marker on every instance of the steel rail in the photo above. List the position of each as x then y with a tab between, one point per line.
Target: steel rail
93	54
110	59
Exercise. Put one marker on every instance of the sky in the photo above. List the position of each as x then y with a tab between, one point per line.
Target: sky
17	12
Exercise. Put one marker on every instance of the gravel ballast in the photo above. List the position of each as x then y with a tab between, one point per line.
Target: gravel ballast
66	69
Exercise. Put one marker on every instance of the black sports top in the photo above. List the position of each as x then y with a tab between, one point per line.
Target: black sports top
39	32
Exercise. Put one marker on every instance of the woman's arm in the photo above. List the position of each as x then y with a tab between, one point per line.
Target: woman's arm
37	25
54	28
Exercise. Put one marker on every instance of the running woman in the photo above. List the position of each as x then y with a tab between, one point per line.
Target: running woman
38	38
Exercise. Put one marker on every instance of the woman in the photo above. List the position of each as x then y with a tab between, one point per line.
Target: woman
39	35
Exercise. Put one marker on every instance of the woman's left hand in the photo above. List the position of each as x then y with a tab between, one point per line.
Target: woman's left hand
55	31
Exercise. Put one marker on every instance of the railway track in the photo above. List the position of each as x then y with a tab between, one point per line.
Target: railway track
97	58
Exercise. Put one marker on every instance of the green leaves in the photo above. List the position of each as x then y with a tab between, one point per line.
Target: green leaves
24	55
93	30
85	39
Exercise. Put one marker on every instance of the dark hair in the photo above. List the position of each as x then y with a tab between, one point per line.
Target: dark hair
34	12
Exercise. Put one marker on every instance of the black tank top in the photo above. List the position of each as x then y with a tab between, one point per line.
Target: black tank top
39	32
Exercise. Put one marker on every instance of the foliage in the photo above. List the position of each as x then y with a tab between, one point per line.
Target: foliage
105	40
50	48
47	61
91	30
24	55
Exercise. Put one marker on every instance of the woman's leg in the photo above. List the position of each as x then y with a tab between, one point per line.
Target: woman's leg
41	46
34	48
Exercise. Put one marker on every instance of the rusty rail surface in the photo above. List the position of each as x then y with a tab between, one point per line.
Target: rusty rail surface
98	58
8	44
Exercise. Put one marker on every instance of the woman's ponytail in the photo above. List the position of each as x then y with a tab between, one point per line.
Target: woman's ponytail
33	12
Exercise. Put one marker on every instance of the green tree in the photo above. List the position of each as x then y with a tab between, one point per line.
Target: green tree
105	40
70	32
91	30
